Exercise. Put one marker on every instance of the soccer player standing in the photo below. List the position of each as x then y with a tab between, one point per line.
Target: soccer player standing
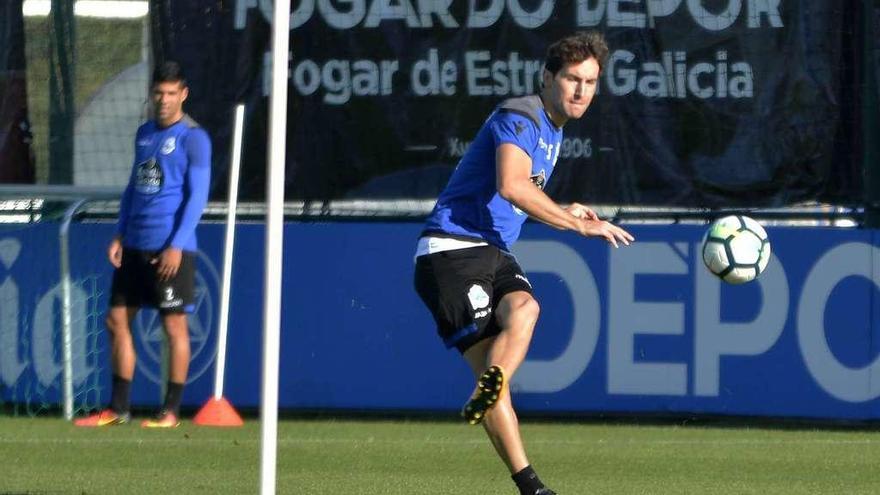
154	248
478	294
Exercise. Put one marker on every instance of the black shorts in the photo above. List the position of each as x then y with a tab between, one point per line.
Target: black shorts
462	289
136	284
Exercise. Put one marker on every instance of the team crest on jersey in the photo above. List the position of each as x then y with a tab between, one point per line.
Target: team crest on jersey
149	178
539	179
168	146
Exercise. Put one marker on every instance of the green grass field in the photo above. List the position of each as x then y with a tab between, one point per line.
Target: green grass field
48	455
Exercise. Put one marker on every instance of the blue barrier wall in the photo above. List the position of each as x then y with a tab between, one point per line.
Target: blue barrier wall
639	329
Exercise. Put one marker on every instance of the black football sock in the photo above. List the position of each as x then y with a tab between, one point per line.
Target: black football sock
527	481
173	394
120	395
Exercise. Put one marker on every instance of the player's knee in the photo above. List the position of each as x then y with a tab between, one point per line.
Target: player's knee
175	326
519	314
116	325
522	316
528	309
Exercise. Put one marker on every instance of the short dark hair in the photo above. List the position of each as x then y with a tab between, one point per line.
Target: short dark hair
576	48
169	71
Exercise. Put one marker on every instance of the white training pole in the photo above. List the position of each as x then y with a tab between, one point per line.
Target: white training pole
234	167
274	243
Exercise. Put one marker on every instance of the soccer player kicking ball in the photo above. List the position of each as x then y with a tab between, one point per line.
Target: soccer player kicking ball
465	274
154	250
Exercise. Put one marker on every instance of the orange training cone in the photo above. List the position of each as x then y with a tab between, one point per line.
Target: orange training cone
218	412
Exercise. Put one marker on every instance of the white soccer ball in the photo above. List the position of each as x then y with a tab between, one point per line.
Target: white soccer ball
736	249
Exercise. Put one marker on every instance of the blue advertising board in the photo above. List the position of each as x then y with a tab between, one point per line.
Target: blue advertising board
640	329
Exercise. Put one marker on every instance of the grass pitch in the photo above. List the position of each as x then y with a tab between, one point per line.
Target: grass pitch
50	456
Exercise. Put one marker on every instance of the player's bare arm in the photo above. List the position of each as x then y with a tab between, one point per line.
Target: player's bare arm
513	169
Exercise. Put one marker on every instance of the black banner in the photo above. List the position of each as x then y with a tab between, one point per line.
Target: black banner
702	102
16	161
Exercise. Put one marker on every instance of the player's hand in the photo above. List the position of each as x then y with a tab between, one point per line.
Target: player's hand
607	230
581	211
114	252
168	263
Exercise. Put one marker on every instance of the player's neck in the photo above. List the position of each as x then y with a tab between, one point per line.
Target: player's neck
558	120
165	123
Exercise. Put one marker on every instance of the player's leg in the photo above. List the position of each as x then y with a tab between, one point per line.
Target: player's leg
177	331
501	425
458	287
125	300
178	342
174	298
178	359
122	356
516	316
122	353
122	363
513	318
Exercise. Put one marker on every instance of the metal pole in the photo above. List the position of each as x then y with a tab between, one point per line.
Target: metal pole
66	338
